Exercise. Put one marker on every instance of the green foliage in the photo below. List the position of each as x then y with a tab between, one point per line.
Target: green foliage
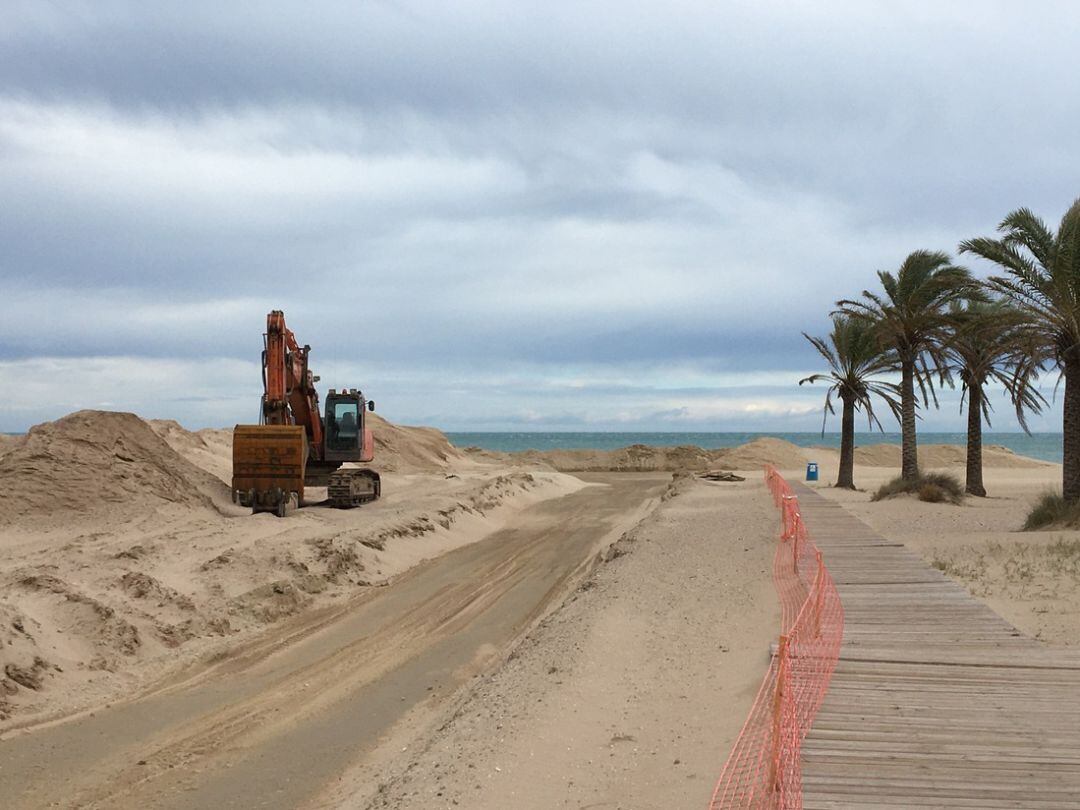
992	342
932	493
854	358
931	487
1052	510
1043	283
910	316
1043	278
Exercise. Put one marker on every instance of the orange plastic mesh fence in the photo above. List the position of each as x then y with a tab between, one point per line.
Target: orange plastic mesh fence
764	769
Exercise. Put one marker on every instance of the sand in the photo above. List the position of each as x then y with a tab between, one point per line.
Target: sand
273	719
938	456
93	466
209	449
751	456
631	694
413	449
644	458
125	570
9	442
122	557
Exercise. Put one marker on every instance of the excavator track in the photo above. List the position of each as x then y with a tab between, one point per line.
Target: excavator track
347	489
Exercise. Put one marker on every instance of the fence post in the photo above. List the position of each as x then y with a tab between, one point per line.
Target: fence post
778	712
789	511
796	526
819	597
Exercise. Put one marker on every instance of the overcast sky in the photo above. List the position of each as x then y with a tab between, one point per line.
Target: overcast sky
519	216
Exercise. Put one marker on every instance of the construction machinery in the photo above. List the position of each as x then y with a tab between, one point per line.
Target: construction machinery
294	445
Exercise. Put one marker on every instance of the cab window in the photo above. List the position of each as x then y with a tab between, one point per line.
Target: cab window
343	426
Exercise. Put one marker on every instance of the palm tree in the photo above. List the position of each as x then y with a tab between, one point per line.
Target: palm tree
1043	282
992	342
911	318
854	357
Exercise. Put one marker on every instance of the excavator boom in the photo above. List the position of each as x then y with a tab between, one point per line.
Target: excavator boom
289	396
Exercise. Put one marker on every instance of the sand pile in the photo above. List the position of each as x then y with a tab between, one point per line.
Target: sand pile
942	455
95	461
766	450
210	448
398	448
411	449
645	458
635	458
9	443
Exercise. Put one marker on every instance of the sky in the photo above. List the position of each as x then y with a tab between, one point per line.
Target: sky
501	216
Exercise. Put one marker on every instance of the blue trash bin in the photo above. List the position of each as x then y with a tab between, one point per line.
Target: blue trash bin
811	471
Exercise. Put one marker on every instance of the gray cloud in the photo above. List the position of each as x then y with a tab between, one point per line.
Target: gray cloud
479	192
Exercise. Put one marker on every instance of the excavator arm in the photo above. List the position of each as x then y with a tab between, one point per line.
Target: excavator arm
289	395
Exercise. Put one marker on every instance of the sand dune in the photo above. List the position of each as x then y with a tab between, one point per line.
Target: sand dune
645	458
399	448
92	464
942	455
123	557
209	449
9	443
751	456
758	453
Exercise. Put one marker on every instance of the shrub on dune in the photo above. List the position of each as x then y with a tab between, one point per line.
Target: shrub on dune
1052	510
932	493
929	487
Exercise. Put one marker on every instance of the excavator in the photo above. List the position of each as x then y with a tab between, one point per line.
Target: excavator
294	446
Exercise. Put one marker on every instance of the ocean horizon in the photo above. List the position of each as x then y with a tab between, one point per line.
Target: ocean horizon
1043	446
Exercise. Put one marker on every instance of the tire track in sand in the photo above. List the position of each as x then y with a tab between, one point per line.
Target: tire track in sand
270	731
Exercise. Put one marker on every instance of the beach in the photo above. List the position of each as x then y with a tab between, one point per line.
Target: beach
539	629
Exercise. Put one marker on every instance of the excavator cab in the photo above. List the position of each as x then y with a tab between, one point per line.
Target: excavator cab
347	436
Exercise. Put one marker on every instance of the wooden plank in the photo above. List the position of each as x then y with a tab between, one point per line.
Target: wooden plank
936	700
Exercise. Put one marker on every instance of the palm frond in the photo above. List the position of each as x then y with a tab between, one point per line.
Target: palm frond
854	356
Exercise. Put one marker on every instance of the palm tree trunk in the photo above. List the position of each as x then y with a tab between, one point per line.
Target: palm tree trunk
974	484
909	453
1070	466
847	444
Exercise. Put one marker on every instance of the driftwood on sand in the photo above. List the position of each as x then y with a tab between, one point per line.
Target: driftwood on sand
720	475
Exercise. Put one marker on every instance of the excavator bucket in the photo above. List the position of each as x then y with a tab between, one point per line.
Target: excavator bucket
268	467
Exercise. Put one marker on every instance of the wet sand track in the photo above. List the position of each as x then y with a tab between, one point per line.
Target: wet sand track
282	717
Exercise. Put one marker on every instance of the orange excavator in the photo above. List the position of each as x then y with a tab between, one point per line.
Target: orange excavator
295	446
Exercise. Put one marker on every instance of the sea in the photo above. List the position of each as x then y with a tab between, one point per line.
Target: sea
1045	446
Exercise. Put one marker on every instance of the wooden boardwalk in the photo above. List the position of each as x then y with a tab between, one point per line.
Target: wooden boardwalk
936	700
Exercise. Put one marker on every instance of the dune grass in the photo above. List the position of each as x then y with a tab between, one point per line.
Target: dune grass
931	487
1052	510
